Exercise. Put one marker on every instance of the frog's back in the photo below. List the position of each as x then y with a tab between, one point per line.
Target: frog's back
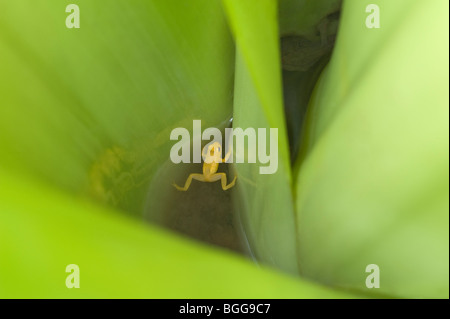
210	168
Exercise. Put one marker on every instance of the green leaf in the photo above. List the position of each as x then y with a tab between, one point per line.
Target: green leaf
91	109
118	257
372	183
264	201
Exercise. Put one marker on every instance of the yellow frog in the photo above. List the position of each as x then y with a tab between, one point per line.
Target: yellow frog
212	158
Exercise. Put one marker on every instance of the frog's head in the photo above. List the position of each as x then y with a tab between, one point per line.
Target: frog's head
212	153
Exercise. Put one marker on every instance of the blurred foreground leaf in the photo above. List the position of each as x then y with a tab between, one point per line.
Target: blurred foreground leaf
265	200
372	184
44	230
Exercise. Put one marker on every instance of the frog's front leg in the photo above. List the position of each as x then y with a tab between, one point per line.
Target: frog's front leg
223	179
198	177
227	156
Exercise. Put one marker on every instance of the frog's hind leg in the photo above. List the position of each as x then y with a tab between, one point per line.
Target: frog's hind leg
199	177
223	179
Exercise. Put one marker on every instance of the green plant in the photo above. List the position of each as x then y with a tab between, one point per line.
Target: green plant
87	114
